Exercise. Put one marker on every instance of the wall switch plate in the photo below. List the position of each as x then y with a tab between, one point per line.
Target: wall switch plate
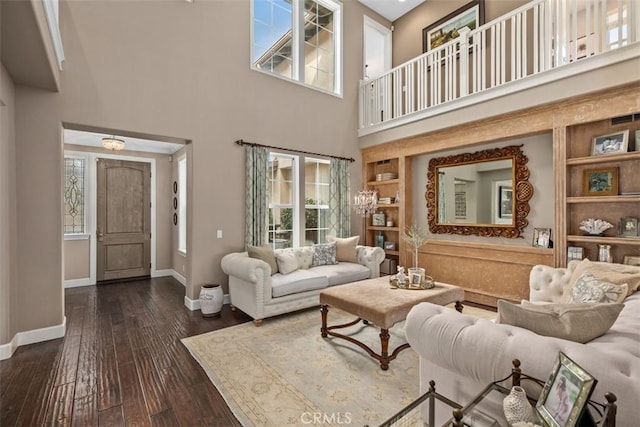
219	234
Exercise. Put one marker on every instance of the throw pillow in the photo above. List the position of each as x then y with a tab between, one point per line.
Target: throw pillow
618	274
591	289
573	322
304	255
345	248
287	262
266	254
325	254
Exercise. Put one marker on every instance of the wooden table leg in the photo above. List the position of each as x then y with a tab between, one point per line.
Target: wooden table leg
384	344
323	329
459	306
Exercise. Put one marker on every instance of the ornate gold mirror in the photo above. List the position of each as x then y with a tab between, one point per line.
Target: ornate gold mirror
485	193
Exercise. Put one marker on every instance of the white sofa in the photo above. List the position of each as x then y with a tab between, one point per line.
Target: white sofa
259	294
462	354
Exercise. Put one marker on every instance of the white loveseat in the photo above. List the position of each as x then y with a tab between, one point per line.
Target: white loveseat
258	293
462	354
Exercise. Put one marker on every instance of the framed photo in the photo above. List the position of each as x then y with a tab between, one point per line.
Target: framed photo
611	143
565	394
542	237
584	48
631	260
415	280
471	15
628	227
391	246
575	253
379	220
600	182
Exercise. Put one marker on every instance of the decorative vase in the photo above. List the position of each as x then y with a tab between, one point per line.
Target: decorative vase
604	253
517	407
211	299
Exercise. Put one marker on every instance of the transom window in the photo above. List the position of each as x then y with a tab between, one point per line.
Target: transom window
297	218
299	40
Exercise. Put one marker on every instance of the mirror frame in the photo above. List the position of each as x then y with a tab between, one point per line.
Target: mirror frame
523	191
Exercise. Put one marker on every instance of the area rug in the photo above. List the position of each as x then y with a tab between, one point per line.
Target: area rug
285	373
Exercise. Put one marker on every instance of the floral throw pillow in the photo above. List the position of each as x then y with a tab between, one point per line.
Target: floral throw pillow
591	289
324	254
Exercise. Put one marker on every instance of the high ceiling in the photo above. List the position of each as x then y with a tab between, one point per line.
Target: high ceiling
391	9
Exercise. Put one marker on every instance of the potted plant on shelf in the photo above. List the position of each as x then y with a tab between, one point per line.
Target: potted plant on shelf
415	236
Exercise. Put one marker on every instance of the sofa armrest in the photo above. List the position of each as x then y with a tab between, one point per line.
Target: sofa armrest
546	283
371	257
240	265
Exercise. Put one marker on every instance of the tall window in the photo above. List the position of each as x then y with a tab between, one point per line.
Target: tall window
298	196
299	40
617	34
74	196
182	204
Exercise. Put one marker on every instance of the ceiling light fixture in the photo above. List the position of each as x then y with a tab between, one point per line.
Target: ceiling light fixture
112	143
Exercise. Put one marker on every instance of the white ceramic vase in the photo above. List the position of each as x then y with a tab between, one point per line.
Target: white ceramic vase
517	407
211	299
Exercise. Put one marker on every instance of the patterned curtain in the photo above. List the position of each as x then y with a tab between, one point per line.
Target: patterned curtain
339	214
256	213
441	206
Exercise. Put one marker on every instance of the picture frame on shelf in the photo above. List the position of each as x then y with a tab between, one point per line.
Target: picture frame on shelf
600	182
628	227
575	253
471	15
415	280
542	237
631	260
565	395
378	220
611	143
390	246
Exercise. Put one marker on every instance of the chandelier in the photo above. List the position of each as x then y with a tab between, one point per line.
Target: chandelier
366	202
112	143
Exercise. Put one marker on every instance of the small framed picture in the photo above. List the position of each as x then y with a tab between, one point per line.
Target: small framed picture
631	260
611	143
600	182
575	253
378	220
565	394
542	237
415	280
391	246
628	227
505	201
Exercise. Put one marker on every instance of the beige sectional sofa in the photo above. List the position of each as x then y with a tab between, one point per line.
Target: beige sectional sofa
254	290
462	354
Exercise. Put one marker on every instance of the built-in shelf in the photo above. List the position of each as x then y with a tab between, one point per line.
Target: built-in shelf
604	240
386	205
381	228
386	182
388	252
604	199
608	158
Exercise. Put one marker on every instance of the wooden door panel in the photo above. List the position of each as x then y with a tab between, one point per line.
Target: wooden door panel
124	215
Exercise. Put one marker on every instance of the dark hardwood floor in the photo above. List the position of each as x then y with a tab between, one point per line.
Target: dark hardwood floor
121	362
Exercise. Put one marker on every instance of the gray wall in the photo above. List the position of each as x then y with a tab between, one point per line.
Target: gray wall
174	69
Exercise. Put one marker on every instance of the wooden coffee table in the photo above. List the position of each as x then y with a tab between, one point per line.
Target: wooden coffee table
374	301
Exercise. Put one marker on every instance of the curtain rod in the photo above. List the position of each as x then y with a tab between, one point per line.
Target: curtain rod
253	144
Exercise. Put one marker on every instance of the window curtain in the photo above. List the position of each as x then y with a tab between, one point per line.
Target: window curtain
256	213
339	214
441	207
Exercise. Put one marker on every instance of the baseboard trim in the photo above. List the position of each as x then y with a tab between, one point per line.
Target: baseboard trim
162	273
179	277
75	283
194	304
32	337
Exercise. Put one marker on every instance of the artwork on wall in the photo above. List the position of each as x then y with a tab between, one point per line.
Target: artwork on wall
471	15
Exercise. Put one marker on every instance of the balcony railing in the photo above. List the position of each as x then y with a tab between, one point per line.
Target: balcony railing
531	40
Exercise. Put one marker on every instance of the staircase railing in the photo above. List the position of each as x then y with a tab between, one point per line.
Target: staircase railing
537	37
